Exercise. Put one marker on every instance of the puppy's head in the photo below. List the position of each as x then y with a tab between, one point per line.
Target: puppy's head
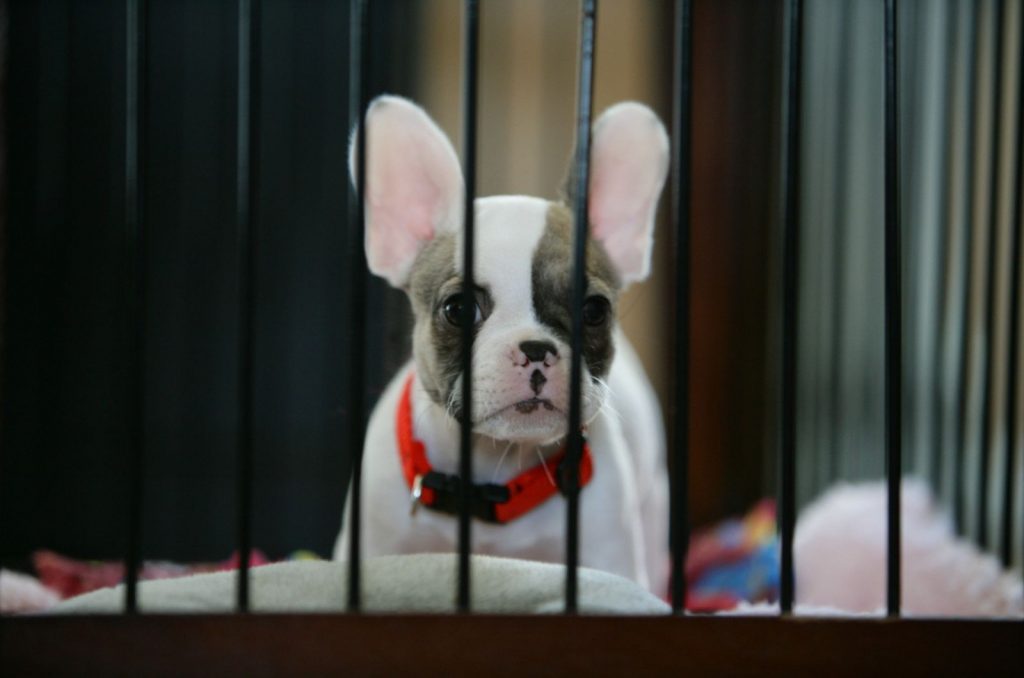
414	209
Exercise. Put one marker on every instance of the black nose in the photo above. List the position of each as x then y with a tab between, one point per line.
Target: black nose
536	351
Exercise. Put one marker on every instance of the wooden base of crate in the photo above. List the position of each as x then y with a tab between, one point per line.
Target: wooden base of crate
514	646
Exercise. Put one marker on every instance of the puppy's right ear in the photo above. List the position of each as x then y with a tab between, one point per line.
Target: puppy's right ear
414	187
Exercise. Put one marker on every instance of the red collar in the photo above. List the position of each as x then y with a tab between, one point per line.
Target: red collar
491	502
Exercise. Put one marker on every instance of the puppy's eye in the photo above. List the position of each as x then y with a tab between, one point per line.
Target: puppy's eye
452	309
595	311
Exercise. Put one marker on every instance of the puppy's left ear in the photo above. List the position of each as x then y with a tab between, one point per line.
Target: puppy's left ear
629	162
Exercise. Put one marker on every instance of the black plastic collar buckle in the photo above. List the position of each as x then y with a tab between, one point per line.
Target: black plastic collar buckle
483	498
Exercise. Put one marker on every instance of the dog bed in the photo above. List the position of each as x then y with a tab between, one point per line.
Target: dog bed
410	583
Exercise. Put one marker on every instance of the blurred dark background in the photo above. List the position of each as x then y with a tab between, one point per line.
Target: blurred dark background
63	482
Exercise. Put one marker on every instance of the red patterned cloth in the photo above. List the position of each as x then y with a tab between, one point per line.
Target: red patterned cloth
69	577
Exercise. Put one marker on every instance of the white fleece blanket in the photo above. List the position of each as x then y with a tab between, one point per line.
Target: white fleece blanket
411	583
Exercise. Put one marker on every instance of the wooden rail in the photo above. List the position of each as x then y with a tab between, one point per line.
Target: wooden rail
258	644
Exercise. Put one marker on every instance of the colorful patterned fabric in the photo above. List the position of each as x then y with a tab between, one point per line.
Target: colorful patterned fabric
734	561
69	577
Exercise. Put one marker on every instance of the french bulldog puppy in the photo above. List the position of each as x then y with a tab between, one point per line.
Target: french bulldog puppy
521	355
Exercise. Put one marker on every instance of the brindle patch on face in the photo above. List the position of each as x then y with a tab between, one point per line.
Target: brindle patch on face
552	288
436	342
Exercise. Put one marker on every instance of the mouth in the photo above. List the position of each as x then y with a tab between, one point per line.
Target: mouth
528	406
531	405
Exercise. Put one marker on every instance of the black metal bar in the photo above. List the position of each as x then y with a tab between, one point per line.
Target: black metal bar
790	290
470	49
679	519
990	279
1014	349
963	376
358	101
839	207
949	284
934	402
893	313
134	217
246	205
584	109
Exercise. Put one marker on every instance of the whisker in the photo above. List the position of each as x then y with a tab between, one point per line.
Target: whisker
606	406
450	403
605	400
547	471
501	459
604	410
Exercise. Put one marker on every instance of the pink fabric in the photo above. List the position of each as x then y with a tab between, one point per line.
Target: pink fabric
70	577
